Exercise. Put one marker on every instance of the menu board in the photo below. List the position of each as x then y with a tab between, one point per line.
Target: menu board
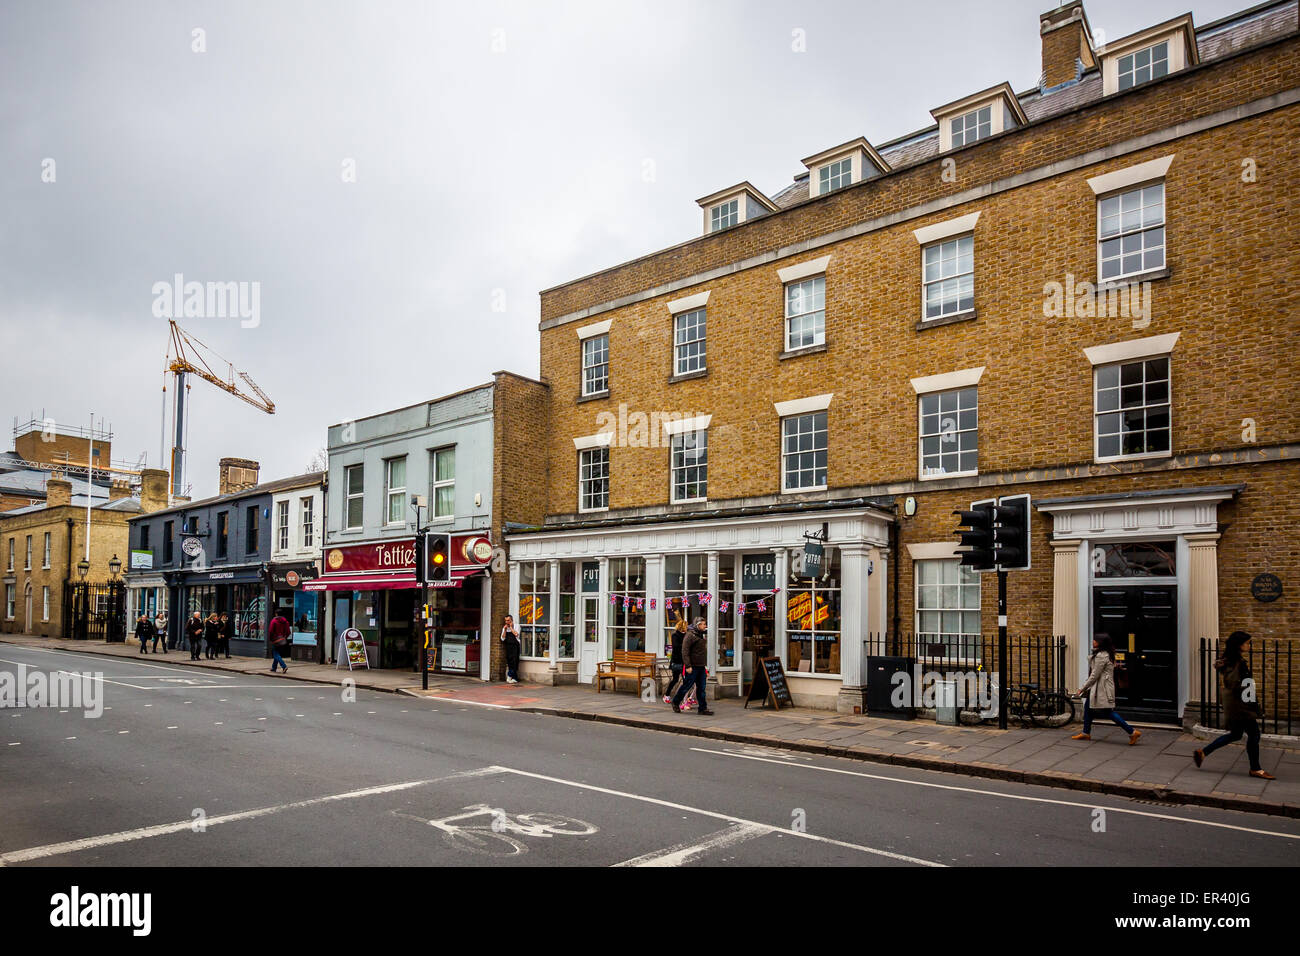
769	684
354	646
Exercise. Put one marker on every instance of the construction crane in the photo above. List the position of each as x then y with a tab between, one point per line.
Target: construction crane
186	355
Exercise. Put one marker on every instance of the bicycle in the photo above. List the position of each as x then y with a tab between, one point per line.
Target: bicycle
1036	707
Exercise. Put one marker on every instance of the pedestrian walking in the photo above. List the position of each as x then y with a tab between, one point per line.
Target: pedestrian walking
227	632
675	658
510	637
695	656
212	635
160	631
194	635
1100	690
279	634
143	631
1240	705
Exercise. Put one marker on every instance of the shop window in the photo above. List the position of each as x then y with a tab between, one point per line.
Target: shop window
813	624
444	484
803	452
535	608
685	577
948	609
247	611
726	629
567	649
627	624
1132	409
354	486
949	433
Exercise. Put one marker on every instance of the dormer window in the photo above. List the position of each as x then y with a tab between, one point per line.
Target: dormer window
730	207
724	215
1148	55
842	166
1144	65
834	176
978	117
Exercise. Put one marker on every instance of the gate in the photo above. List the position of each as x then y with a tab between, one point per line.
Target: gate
94	612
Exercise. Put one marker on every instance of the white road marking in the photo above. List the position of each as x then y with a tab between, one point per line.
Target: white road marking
472	703
15	744
1005	796
101	658
685	852
720	816
171	726
144	833
124	731
69	738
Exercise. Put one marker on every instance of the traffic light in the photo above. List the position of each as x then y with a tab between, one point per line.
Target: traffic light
1011	533
421	566
977	536
439	557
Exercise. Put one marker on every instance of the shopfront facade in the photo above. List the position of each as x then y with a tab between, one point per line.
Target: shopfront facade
582	593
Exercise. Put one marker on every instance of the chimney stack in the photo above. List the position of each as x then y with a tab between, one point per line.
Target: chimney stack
236	474
58	491
154	483
118	489
1067	44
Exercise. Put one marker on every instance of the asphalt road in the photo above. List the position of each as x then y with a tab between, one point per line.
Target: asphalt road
186	767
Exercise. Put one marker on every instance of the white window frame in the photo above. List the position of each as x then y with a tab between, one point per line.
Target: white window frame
1132	56
595	342
582	479
724	215
984	123
700	436
435	484
921	434
45	602
834	175
917	609
349	495
392	491
785	470
27	558
698	319
11	599
307	512
45	564
819	324
12	552
926	283
1140	230
1096	413
282	524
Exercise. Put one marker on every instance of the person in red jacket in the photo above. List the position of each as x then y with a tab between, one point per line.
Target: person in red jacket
279	634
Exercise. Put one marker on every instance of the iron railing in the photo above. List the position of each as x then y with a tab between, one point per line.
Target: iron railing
1273	663
1036	659
94	612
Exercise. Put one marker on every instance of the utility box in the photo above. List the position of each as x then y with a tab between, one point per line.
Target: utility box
946	711
887	696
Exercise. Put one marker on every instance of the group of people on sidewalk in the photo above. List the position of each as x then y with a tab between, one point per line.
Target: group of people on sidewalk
151	629
688	658
1241	699
215	632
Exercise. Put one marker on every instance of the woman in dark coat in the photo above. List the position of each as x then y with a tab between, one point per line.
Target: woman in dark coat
227	632
675	658
212	635
1240	704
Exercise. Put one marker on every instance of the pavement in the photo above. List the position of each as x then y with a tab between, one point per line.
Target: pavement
1159	769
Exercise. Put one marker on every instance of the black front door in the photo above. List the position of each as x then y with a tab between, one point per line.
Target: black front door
1143	623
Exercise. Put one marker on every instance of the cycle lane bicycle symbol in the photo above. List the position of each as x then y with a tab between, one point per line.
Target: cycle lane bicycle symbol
500	834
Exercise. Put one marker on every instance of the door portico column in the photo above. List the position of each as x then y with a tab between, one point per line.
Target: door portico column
854	617
1065	603
1203	617
554	630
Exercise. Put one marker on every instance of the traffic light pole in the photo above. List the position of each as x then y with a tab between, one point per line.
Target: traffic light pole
1002	650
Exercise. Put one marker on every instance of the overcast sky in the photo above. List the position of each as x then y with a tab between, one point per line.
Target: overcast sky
498	149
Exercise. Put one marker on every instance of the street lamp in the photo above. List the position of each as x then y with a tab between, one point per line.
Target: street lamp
83	568
114	566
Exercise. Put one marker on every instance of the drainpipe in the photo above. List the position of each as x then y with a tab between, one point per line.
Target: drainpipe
898	569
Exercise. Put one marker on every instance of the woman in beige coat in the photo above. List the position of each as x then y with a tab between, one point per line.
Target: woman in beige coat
1100	690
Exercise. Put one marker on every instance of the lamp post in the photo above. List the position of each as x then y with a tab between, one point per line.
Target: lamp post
83	568
114	566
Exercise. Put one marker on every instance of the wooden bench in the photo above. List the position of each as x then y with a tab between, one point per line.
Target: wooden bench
627	665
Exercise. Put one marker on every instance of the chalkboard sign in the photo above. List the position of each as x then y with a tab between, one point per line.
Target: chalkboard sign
769	684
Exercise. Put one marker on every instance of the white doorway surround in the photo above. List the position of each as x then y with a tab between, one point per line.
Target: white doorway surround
1186	516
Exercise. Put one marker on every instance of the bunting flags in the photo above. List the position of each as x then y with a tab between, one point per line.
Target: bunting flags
701	598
